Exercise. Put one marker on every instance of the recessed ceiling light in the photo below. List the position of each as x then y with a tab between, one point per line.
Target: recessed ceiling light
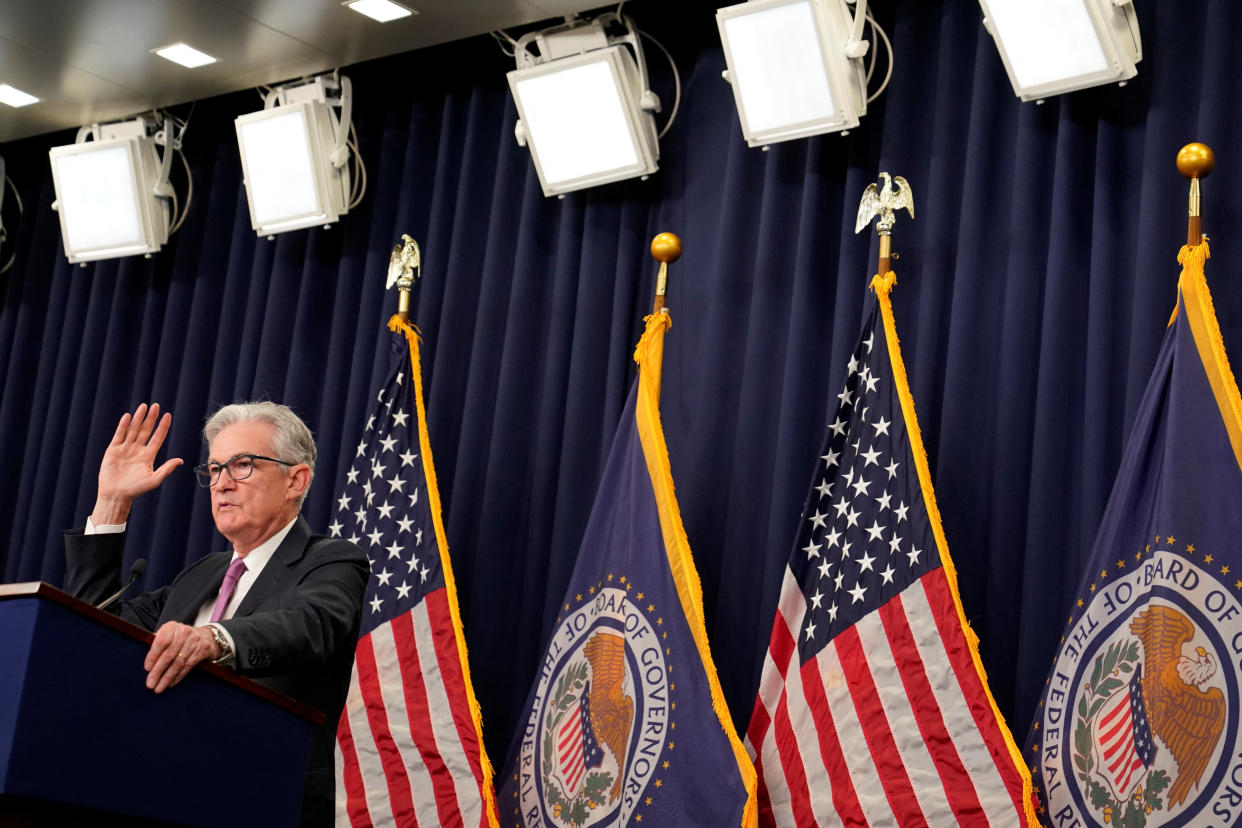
15	97
184	54
381	10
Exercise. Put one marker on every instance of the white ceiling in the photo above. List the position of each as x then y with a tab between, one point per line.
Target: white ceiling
90	61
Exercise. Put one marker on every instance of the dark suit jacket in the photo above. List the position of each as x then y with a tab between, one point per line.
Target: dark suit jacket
295	631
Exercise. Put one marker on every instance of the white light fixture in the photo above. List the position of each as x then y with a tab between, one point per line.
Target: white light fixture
1055	46
184	54
15	97
796	67
294	156
584	109
382	10
113	193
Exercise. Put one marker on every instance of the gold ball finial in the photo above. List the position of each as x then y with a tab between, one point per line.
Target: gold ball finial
666	248
1195	160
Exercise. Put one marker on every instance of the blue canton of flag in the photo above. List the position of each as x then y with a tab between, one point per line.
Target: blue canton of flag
1138	721
382	510
865	535
409	743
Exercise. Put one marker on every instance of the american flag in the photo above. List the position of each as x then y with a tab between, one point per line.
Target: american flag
872	708
409	743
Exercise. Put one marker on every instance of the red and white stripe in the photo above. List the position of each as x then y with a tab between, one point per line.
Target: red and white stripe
1114	733
889	724
407	750
569	751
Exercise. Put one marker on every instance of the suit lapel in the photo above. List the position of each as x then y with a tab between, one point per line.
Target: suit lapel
278	572
199	584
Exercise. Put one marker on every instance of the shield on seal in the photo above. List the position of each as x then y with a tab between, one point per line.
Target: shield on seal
1122	739
576	748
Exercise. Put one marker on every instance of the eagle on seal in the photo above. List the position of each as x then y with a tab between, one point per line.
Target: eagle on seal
612	711
1186	717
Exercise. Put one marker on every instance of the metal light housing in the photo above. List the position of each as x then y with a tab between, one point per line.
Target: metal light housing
1051	47
796	67
294	156
584	109
112	193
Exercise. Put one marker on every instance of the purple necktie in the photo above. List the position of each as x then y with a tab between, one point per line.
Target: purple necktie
236	568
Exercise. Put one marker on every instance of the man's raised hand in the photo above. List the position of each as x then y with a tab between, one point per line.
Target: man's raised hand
128	467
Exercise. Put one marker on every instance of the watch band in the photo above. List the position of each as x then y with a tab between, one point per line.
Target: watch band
222	641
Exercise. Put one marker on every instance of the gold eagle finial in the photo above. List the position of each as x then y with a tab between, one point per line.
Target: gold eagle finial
883	203
405	264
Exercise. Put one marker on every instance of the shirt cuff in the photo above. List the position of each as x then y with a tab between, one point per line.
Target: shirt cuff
105	529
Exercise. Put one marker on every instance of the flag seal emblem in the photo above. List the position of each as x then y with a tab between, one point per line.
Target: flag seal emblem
601	721
1140	721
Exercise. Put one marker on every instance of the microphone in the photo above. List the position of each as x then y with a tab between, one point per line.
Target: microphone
135	571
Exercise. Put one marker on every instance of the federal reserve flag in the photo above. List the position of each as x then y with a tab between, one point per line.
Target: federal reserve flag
1138	724
409	743
626	723
872	707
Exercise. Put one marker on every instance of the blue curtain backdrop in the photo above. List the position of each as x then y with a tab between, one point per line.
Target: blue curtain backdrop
1033	290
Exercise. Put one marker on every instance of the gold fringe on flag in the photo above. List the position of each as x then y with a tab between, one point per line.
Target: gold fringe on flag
649	355
883	284
397	323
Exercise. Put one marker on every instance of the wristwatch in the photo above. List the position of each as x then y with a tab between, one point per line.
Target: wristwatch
222	641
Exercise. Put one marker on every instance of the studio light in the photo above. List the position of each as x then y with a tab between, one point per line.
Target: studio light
1055	46
113	192
584	109
796	67
295	156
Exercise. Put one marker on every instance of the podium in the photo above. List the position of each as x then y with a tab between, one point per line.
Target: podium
84	742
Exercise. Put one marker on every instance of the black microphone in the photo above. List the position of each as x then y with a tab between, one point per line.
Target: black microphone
135	571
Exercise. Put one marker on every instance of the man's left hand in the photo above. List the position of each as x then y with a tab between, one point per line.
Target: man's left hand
174	652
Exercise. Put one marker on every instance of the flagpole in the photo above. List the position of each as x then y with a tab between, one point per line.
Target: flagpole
665	249
884	264
404	266
1195	161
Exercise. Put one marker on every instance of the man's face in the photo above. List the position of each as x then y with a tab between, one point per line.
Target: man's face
250	511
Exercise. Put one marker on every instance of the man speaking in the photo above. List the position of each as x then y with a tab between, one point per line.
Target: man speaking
282	607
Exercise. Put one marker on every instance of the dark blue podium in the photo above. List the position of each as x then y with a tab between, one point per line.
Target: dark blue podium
84	742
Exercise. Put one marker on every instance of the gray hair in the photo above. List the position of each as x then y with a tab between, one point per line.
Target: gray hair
293	441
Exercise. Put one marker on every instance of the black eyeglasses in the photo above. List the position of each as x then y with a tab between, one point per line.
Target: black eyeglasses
239	468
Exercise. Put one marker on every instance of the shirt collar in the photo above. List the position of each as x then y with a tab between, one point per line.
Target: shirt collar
258	557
